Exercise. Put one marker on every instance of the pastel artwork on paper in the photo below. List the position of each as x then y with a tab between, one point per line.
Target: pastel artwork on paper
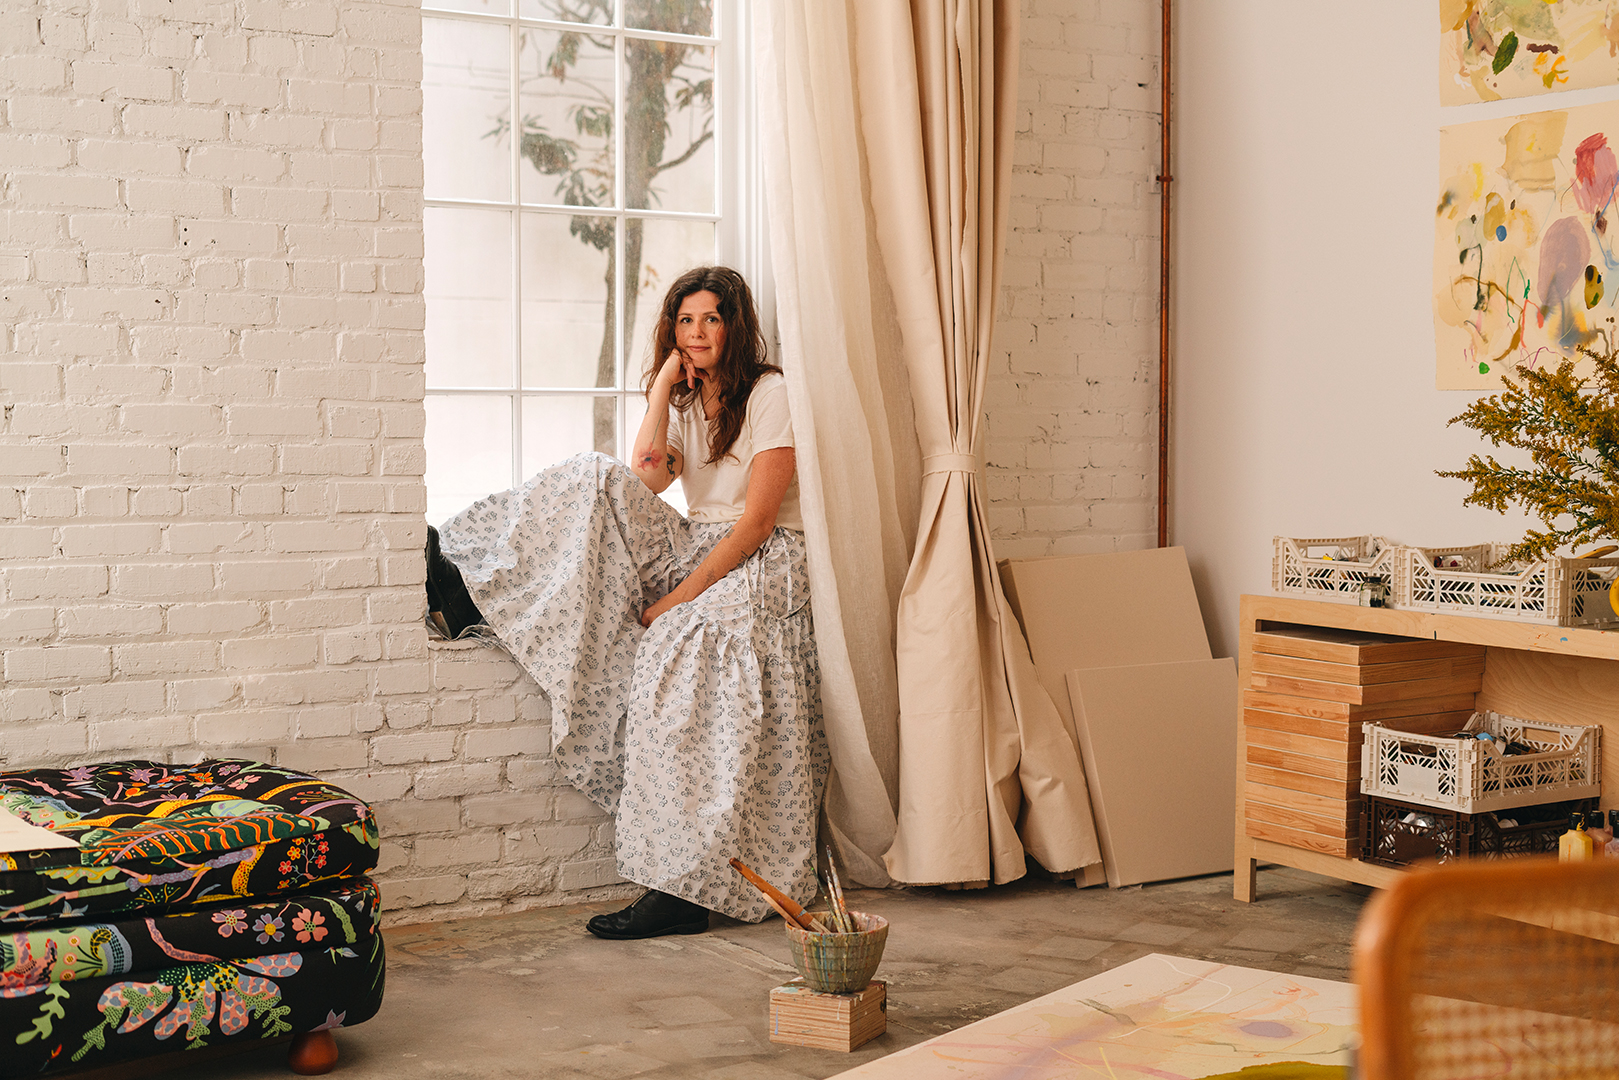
1493	49
1524	243
1156	1018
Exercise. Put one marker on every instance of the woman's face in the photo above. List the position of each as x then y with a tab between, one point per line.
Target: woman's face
700	332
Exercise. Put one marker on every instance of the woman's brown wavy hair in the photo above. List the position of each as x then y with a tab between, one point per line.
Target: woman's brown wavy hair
744	361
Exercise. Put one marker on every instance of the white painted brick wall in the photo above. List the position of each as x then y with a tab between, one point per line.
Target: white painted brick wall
211	434
1072	392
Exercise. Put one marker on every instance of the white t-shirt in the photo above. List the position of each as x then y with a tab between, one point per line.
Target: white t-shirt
719	492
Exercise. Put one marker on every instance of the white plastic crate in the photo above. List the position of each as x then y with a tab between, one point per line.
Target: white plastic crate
1556	591
1470	776
1332	568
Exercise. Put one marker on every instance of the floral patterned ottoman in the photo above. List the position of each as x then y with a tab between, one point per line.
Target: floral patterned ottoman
218	902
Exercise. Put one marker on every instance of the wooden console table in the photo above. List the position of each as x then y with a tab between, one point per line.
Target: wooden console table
1557	674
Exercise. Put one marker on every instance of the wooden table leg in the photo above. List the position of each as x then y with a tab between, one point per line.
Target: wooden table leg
312	1053
1245	876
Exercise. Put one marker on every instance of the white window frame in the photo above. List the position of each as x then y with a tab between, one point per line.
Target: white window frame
741	240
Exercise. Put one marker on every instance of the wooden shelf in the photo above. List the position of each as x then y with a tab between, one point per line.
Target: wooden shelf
1557	674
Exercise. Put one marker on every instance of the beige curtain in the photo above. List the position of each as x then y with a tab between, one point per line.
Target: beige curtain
888	150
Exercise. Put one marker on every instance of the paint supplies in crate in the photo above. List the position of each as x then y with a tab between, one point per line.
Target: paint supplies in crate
1476	581
1343	569
1397	833
1495	763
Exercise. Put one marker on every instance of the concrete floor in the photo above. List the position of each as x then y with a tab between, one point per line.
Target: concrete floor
532	995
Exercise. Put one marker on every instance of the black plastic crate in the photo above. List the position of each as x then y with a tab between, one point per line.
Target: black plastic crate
1395	833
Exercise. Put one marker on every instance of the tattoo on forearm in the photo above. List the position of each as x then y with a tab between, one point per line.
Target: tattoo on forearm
671	464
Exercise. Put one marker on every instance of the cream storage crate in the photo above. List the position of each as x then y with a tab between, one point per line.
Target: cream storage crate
1470	776
1556	591
1332	568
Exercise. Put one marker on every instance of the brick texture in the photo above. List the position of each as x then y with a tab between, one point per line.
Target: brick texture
1072	391
211	435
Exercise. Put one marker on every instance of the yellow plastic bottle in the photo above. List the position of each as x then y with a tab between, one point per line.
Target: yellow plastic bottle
1575	845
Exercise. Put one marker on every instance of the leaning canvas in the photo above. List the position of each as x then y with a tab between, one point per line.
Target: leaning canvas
1523	242
1492	49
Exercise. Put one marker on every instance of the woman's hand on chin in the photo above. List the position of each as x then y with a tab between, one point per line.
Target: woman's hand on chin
676	367
657	609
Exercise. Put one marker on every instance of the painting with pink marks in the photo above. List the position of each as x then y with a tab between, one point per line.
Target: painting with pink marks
1156	1018
1493	49
1524	243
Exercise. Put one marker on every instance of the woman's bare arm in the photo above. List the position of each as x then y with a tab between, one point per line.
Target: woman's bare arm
652	459
767	486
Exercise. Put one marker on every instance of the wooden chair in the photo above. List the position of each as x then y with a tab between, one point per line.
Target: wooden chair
1492	969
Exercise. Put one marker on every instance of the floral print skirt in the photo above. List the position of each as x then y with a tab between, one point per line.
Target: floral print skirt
703	733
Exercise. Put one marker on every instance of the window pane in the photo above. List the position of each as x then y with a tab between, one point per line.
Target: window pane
667	249
634	410
585	11
469	451
482	7
468	260
669	126
567	148
568	337
671	16
466	110
559	427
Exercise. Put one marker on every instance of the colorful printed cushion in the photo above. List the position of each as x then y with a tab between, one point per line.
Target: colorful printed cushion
155	837
91	993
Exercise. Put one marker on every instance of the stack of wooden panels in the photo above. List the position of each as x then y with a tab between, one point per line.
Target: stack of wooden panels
1310	690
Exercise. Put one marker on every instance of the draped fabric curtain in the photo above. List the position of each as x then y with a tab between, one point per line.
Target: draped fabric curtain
888	129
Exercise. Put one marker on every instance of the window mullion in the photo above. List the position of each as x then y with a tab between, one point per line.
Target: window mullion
623	284
516	398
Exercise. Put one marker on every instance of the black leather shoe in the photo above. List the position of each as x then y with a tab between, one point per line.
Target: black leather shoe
654	914
446	592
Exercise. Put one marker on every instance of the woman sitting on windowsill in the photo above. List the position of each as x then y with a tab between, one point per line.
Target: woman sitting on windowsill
677	652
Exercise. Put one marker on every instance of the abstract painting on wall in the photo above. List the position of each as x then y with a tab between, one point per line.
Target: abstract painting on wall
1492	49
1524	242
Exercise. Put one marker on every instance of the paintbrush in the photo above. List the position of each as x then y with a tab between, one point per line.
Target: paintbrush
840	910
786	905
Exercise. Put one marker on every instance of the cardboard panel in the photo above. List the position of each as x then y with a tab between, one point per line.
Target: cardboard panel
1093	611
1159	742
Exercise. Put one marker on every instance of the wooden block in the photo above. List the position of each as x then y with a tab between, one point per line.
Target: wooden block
1426	724
1368	674
1331	749
1354	646
1292	819
1332	790
1381	693
1326	768
1347	712
800	1016
1266	786
1327	845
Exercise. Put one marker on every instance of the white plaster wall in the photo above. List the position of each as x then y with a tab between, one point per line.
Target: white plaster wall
1307	174
1071	396
211	434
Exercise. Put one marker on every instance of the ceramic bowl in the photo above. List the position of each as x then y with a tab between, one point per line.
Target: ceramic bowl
839	963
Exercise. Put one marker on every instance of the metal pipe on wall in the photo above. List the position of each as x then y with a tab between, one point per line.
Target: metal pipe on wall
1165	178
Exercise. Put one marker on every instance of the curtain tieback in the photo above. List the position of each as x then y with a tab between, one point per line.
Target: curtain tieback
947	463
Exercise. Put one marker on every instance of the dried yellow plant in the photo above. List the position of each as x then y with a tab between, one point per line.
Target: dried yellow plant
1570	428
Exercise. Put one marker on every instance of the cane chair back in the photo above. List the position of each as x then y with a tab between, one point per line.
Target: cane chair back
1504	969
